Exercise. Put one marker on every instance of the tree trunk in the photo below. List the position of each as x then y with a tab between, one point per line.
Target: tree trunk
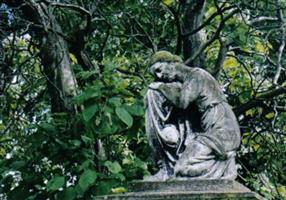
54	53
62	84
193	12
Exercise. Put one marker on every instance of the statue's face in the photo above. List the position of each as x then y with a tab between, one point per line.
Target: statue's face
163	71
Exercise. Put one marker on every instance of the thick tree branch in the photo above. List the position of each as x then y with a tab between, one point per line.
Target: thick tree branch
207	21
54	54
212	39
69	6
220	58
262	19
193	13
179	31
259	99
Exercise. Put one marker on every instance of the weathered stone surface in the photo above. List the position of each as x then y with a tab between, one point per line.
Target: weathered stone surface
190	126
194	135
185	189
184	185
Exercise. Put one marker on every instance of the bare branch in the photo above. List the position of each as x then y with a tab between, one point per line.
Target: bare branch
179	31
220	58
258	101
245	67
147	36
70	6
263	19
100	52
126	72
281	47
76	8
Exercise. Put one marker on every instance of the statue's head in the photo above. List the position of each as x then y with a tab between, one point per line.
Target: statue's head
165	56
163	65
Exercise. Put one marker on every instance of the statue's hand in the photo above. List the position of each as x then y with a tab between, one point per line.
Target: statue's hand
155	85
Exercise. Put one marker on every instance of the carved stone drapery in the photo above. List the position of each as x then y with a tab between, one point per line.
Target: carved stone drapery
190	126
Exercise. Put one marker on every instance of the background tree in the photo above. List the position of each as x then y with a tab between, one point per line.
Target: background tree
74	73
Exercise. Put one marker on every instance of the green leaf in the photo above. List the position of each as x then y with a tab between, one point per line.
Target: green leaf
124	116
115	101
68	194
109	66
17	164
88	94
85	165
135	109
49	128
89	112
20	192
56	183
87	179
75	143
85	139
104	187
106	128
86	74
117	176
113	167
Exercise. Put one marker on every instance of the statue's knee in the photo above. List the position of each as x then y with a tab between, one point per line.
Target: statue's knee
189	170
196	149
193	169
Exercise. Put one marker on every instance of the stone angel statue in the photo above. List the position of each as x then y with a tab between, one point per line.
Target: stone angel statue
191	127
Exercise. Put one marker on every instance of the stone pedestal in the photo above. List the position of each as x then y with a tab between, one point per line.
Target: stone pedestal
185	189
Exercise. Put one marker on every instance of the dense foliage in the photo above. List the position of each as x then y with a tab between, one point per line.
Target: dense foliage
74	74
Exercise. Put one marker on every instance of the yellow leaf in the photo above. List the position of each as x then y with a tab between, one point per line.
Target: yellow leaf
270	115
211	11
230	62
249	112
118	190
256	147
2	152
282	190
73	58
259	47
130	100
168	2
124	84
244	141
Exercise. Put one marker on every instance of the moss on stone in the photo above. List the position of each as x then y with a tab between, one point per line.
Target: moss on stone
165	56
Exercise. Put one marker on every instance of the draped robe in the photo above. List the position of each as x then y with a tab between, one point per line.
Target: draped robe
206	150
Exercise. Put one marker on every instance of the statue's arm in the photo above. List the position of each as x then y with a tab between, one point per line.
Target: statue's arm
171	91
189	93
181	95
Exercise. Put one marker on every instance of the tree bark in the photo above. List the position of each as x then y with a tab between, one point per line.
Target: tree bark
193	12
54	53
62	84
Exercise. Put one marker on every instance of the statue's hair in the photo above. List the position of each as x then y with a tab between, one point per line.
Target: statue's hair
165	56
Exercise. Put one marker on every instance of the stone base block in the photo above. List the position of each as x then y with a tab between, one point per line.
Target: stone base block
184	189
